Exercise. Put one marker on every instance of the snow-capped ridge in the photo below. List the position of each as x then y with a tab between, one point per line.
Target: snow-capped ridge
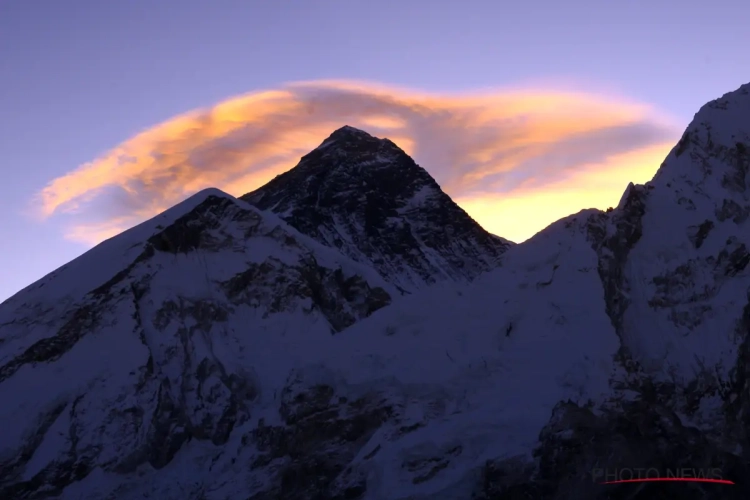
347	131
348	139
110	256
718	130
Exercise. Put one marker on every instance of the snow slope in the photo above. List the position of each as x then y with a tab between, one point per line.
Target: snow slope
142	323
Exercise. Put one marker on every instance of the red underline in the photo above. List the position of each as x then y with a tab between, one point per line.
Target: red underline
672	479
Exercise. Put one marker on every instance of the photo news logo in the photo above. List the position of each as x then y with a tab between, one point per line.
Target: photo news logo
651	475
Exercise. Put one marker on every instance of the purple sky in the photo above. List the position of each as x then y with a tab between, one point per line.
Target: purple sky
80	76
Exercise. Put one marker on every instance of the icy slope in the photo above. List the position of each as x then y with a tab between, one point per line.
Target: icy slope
686	274
672	259
367	198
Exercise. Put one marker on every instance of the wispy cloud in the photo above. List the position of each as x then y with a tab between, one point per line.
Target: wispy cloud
516	159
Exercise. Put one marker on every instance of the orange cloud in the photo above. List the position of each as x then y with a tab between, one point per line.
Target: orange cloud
515	159
537	203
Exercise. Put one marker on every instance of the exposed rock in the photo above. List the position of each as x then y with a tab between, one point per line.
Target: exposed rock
368	199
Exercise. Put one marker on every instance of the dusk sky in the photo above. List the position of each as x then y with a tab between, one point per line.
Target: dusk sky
524	111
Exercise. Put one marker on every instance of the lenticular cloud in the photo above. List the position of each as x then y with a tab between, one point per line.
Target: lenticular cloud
481	148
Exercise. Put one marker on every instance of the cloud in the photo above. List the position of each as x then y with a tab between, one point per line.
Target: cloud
538	203
515	159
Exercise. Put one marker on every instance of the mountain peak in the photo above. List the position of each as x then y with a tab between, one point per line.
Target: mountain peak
719	134
370	200
348	131
351	139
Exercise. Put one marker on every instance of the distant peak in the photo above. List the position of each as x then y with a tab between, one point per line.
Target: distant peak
348	131
350	136
211	191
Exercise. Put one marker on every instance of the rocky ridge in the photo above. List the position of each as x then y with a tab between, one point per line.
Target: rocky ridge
367	198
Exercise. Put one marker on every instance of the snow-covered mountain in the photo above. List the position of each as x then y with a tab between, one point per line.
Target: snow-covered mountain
220	352
367	198
127	353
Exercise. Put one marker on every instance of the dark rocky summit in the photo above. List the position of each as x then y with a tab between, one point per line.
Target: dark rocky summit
368	199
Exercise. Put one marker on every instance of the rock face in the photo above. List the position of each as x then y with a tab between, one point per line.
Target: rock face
368	199
220	352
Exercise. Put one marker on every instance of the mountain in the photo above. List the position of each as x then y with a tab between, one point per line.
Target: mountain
180	329
368	199
117	360
218	352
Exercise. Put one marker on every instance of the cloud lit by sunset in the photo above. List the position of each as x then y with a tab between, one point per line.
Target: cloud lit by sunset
516	160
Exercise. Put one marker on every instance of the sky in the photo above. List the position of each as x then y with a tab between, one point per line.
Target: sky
524	111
